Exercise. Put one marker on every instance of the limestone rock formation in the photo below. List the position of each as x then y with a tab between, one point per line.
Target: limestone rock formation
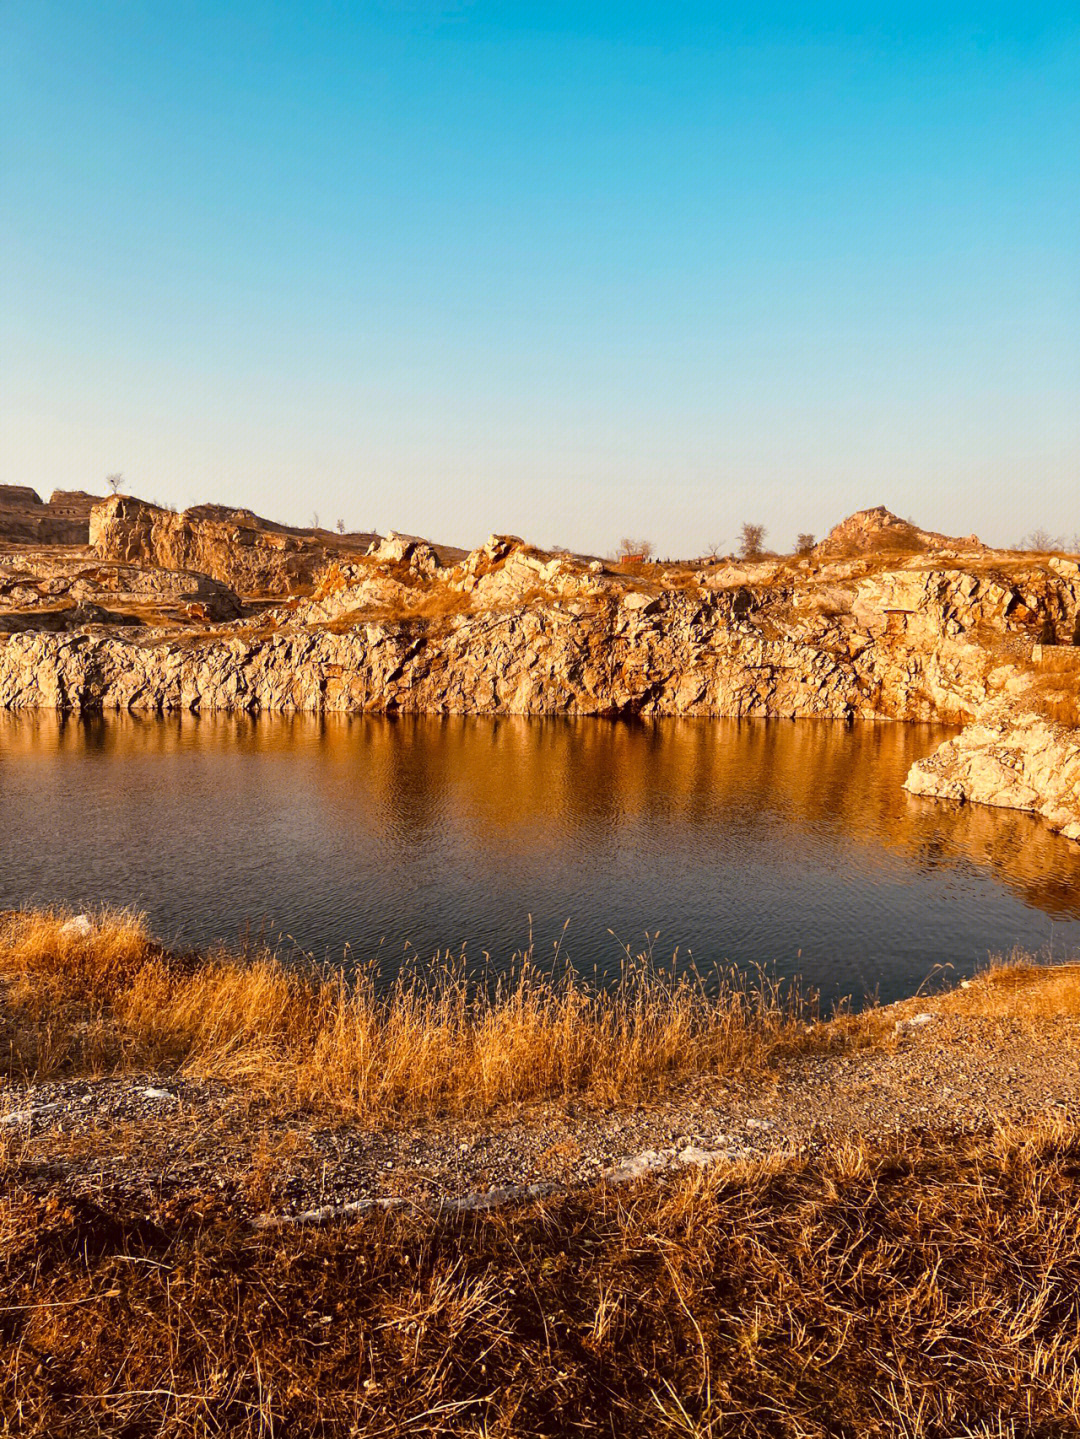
1009	758
250	555
65	520
879	529
395	549
54	590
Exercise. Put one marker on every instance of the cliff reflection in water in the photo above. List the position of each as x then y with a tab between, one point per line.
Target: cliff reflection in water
757	841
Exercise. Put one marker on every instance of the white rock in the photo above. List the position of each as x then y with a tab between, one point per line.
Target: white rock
916	1021
81	927
643	604
693	1154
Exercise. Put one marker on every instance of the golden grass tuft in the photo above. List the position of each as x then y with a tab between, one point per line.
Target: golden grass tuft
427	1043
1019	988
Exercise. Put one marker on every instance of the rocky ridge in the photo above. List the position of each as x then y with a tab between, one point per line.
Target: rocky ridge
65	520
879	529
969	636
234	547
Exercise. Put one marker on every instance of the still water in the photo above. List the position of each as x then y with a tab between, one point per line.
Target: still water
790	845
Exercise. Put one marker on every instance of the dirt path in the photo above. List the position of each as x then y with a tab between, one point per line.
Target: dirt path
1004	1046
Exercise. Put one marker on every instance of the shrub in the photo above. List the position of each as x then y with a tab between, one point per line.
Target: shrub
752	541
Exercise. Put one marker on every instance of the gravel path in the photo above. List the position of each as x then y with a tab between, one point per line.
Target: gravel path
960	1061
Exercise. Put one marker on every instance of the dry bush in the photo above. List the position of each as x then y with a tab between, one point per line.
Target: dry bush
430	1042
1041	541
1019	988
634	551
49	949
1053	695
433	601
924	1287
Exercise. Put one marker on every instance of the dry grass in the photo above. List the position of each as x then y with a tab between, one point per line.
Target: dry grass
423	602
1017	987
427	1044
1051	696
925	1288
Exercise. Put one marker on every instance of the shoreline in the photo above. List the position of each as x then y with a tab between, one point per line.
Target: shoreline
698	1081
877	1217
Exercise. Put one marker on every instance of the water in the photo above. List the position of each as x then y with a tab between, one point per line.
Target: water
786	844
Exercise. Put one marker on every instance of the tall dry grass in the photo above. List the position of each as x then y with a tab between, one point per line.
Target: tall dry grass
924	1288
429	1043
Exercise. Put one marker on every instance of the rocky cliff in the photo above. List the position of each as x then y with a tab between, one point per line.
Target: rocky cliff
24	519
1012	758
251	555
942	634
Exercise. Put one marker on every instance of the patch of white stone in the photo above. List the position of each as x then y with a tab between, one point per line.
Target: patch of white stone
27	1116
624	1171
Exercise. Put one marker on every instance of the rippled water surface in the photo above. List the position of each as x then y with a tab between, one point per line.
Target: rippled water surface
786	844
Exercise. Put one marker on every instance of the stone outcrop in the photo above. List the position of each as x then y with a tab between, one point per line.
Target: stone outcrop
1017	760
24	519
509	629
44	589
878	529
252	556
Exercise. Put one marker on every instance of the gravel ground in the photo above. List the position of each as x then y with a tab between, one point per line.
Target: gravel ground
961	1061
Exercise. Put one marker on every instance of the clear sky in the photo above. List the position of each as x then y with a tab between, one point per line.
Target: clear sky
566	270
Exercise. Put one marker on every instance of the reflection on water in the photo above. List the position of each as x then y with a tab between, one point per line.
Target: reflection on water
787	844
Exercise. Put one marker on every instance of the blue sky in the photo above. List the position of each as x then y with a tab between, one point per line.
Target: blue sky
571	271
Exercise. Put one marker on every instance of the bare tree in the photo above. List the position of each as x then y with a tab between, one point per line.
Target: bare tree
712	551
340	527
804	544
115	482
315	520
752	541
1041	541
635	549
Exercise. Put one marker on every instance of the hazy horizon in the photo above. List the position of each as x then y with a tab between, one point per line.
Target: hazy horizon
569	272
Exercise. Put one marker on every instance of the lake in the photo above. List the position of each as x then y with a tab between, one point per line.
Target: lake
767	842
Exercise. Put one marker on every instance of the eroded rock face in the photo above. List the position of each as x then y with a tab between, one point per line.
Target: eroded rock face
395	549
235	547
1012	759
24	519
511	630
46	589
